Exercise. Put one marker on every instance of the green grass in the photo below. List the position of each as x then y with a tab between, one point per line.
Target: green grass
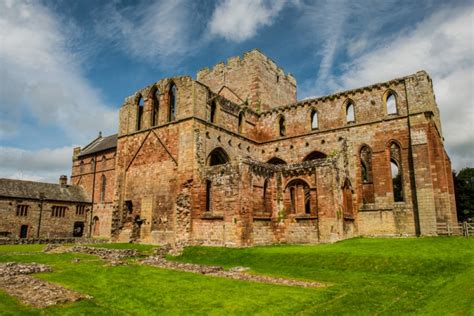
427	276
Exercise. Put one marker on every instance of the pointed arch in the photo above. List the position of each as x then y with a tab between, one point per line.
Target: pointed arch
315	155
314	119
350	111
390	100
298	196
365	157
218	156
276	161
172	106
396	171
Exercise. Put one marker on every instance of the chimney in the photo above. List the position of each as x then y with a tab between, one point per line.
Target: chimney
63	181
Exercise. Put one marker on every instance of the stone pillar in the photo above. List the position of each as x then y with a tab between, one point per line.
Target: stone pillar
425	199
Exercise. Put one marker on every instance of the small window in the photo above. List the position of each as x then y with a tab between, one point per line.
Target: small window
396	172
58	211
350	116
212	114
241	122
80	209
81	167
172	105
102	188
156	108
140	113
314	120
22	210
281	126
292	199
391	103
208	195
366	164
307	200
396	181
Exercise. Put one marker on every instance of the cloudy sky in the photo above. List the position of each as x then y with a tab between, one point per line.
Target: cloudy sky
66	66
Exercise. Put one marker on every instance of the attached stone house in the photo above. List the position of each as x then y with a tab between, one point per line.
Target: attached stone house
232	158
31	209
94	170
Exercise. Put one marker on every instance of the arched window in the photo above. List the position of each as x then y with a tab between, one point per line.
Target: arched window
95	226
276	161
217	157
314	120
172	105
241	121
391	103
281	126
212	114
366	164
140	113
347	200
314	155
208	195
366	175
350	116
156	108
102	188
265	196
396	172
293	199
299	197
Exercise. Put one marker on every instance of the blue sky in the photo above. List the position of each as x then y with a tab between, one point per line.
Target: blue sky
66	66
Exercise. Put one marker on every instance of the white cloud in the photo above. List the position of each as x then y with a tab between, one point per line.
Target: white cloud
239	20
443	45
42	83
160	32
37	165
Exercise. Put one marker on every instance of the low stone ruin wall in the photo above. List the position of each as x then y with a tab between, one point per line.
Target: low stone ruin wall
16	281
70	240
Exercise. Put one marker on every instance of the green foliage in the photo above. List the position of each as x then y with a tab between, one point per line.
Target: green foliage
431	276
464	187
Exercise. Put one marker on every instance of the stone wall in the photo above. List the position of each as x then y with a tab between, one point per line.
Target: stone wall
162	170
89	172
254	79
10	224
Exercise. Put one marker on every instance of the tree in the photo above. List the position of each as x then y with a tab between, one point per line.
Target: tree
464	189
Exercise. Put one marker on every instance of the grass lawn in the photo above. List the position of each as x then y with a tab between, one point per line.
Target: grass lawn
430	276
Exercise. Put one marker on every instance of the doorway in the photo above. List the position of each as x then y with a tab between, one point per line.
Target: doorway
78	229
24	231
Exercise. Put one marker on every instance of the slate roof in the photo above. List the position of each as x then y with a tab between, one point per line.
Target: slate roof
31	190
99	144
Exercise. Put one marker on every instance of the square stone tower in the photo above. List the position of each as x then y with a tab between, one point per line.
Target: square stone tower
254	80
